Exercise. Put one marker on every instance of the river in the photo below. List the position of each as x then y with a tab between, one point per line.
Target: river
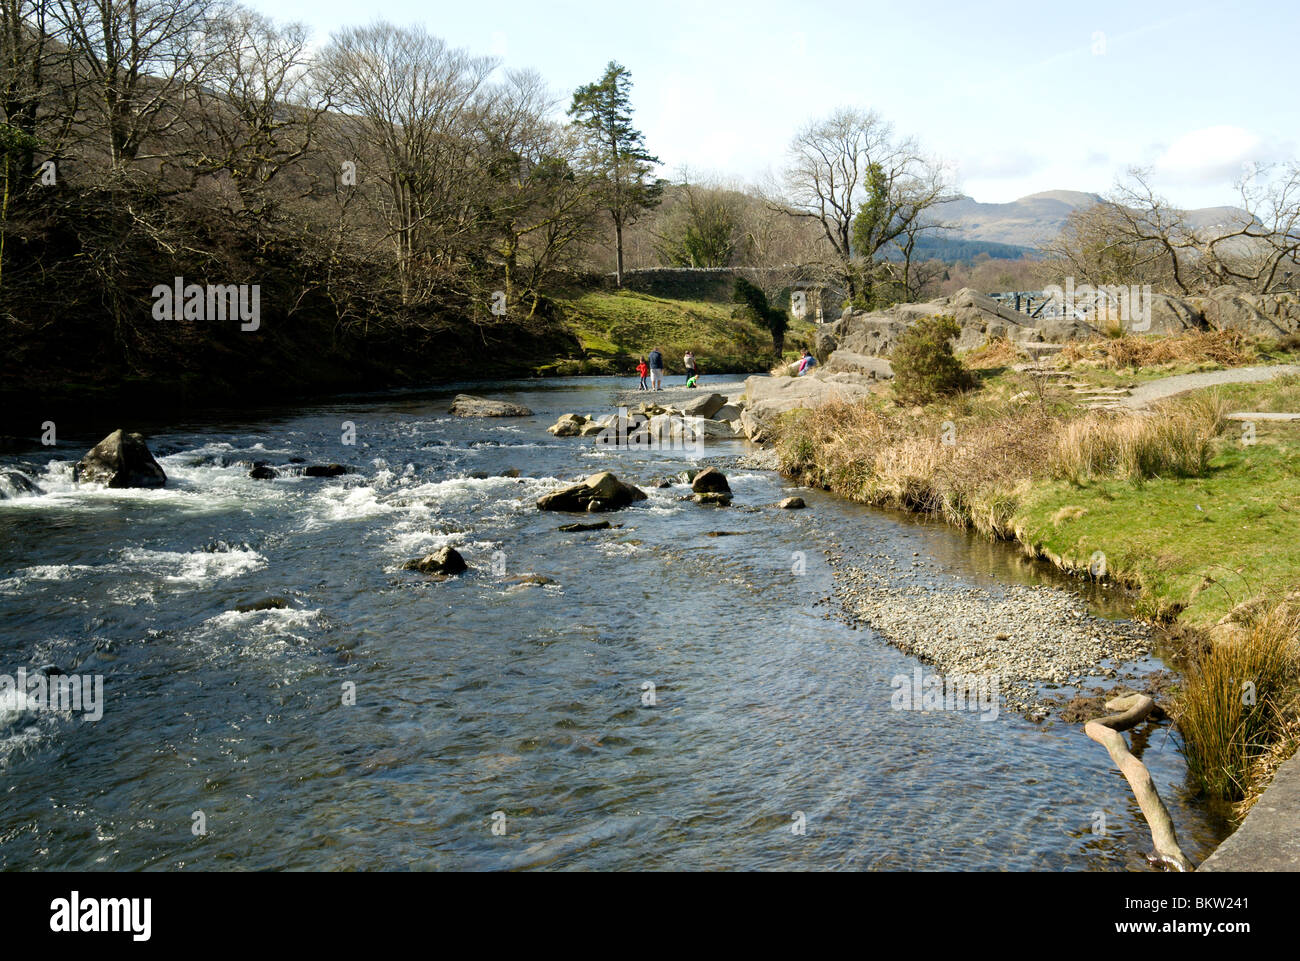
673	700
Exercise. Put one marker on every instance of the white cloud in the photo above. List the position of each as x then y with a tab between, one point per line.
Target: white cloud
1213	155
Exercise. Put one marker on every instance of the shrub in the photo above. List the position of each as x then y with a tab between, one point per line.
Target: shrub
925	367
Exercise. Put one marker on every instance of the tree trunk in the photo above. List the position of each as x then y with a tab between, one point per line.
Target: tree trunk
1105	731
618	245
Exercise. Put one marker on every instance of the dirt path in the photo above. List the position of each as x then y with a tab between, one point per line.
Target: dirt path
1144	395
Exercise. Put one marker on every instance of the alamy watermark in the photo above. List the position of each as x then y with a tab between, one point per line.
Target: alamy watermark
1130	305
919	691
181	301
70	693
660	432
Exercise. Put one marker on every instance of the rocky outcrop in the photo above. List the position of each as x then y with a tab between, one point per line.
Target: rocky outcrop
767	397
120	460
599	492
1227	308
445	561
468	405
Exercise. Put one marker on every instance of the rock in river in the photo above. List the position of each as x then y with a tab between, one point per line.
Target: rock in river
467	405
791	504
17	484
324	470
445	560
120	460
599	492
710	481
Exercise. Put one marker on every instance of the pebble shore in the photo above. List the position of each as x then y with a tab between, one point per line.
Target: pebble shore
1026	636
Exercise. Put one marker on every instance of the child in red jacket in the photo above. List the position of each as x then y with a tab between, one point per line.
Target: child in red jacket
644	371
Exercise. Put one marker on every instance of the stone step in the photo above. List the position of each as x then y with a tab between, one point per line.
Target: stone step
1261	415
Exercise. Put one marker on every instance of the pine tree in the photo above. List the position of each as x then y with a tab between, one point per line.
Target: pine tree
616	151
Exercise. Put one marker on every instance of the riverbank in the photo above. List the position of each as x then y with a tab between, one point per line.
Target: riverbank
1190	511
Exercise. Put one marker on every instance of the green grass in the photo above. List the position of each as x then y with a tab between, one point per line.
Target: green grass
1196	546
1280	395
616	327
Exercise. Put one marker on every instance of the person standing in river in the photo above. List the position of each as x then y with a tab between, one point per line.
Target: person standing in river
656	360
689	361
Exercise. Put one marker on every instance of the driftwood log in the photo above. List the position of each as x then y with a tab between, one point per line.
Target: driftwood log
1132	710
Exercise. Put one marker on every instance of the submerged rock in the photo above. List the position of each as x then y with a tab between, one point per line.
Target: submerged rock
717	498
599	492
265	604
120	460
17	484
324	470
468	405
445	560
574	528
263	472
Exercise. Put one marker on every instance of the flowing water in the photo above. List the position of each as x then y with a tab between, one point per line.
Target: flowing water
499	725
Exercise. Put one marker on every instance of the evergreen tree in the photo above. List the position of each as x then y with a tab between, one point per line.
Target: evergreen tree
616	151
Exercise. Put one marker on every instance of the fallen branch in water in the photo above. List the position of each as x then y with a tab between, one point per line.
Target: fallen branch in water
1133	709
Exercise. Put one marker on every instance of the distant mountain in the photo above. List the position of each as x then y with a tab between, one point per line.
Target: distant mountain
1036	219
1027	222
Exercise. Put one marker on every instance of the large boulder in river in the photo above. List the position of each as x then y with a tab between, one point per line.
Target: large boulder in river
705	406
710	481
599	492
569	425
446	561
468	405
120	460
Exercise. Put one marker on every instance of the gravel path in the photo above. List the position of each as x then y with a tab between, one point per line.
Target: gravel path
1144	395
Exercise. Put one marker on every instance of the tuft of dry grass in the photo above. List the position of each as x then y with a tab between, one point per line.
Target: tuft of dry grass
994	352
1176	440
1237	702
971	469
1227	348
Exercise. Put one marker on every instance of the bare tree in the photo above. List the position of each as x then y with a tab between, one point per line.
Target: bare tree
252	113
140	60
863	185
1138	236
414	101
540	204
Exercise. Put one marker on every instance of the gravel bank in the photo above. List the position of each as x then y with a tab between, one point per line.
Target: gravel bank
1027	636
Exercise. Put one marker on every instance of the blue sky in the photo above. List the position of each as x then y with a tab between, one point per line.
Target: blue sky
1015	97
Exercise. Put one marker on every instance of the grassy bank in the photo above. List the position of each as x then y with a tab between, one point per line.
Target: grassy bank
1199	516
614	328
